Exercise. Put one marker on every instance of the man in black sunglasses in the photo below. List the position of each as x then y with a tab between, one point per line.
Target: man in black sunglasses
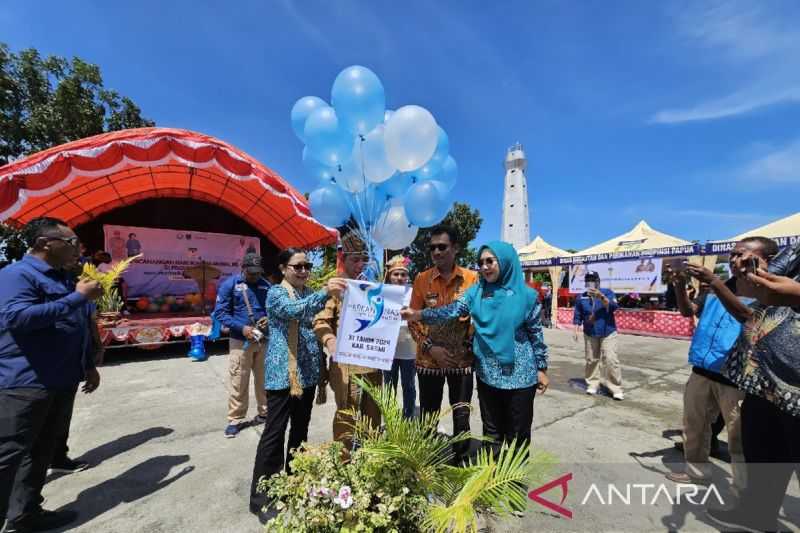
241	307
444	352
44	334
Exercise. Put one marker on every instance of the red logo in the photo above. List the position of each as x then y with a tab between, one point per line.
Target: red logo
557	507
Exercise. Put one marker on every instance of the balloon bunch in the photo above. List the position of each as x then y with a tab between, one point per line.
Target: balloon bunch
387	172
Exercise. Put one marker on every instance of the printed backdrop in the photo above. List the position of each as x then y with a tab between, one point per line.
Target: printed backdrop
176	262
642	276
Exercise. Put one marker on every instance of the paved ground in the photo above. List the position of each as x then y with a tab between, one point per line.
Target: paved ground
153	433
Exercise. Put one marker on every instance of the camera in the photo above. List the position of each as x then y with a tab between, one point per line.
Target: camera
260	330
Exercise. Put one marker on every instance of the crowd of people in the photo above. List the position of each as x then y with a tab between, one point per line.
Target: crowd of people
464	328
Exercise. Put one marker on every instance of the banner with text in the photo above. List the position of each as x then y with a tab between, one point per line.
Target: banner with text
369	324
643	276
176	262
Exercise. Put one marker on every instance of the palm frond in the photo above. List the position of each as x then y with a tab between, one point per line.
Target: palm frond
107	279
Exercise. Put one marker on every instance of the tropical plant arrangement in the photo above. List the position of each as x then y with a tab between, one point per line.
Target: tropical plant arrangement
400	479
110	302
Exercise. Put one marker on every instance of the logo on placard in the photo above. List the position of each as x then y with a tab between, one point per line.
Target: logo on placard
375	300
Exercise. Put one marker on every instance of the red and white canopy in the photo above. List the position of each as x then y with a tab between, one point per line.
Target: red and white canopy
78	181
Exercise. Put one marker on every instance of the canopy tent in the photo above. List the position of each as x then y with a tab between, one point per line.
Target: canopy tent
641	237
81	180
541	250
785	227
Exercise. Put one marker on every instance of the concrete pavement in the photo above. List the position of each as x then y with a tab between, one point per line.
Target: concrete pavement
153	434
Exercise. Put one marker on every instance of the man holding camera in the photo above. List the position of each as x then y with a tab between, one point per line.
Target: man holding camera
594	310
241	307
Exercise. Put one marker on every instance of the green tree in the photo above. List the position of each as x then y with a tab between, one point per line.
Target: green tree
13	243
466	221
47	101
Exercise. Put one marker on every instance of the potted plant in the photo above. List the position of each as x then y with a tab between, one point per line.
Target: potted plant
400	480
110	304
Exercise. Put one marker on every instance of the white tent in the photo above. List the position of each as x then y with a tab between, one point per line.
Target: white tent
540	249
641	237
785	227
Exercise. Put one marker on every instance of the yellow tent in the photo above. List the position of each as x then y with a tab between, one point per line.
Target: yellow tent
540	249
641	237
785	227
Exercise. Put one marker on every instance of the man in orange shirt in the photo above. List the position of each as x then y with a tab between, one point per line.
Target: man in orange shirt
444	352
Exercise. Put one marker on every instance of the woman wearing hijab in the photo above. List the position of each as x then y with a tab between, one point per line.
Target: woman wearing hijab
510	353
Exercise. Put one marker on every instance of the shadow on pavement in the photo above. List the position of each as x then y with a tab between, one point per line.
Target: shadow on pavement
123	444
133	484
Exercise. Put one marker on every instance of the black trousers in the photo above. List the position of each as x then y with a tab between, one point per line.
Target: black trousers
507	414
61	449
282	409
31	422
459	386
771	445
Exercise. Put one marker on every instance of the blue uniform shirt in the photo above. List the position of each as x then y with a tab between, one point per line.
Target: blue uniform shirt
714	336
231	310
603	324
44	327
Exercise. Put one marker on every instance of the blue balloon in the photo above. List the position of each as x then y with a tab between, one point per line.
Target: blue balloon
370	205
397	185
430	169
316	170
329	205
326	139
300	112
359	99
448	175
426	203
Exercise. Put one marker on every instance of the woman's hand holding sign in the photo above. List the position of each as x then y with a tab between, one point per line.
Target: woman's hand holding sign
336	286
410	315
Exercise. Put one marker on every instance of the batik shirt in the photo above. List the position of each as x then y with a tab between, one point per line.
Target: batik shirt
282	309
530	351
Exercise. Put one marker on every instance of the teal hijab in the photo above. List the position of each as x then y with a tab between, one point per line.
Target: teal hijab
498	309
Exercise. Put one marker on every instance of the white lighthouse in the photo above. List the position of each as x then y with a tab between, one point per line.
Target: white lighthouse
516	229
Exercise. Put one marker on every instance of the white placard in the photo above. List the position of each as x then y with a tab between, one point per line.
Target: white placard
369	324
642	276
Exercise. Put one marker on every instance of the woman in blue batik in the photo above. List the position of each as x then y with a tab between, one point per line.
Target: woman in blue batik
510	353
293	368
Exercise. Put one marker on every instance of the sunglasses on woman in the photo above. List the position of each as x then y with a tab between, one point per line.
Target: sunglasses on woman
489	262
299	267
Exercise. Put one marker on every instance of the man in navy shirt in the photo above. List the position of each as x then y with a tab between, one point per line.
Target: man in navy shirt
247	349
594	310
44	335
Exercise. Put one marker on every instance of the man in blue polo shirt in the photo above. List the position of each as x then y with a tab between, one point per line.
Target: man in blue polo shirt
241	307
44	336
594	310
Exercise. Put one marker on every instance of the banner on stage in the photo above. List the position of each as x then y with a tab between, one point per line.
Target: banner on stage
176	262
641	276
369	324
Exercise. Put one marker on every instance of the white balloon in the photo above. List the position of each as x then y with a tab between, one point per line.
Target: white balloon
392	230
410	136
370	155
348	176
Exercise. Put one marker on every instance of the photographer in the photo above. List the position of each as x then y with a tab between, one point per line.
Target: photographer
241	307
594	310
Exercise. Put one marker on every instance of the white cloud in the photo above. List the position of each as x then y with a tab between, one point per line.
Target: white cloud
781	165
757	42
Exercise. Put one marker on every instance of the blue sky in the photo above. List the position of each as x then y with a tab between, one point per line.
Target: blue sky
686	114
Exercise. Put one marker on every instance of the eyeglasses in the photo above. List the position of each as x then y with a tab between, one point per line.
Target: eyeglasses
72	241
489	261
439	247
299	267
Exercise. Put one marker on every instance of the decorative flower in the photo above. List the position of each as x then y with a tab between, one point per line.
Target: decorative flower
345	498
